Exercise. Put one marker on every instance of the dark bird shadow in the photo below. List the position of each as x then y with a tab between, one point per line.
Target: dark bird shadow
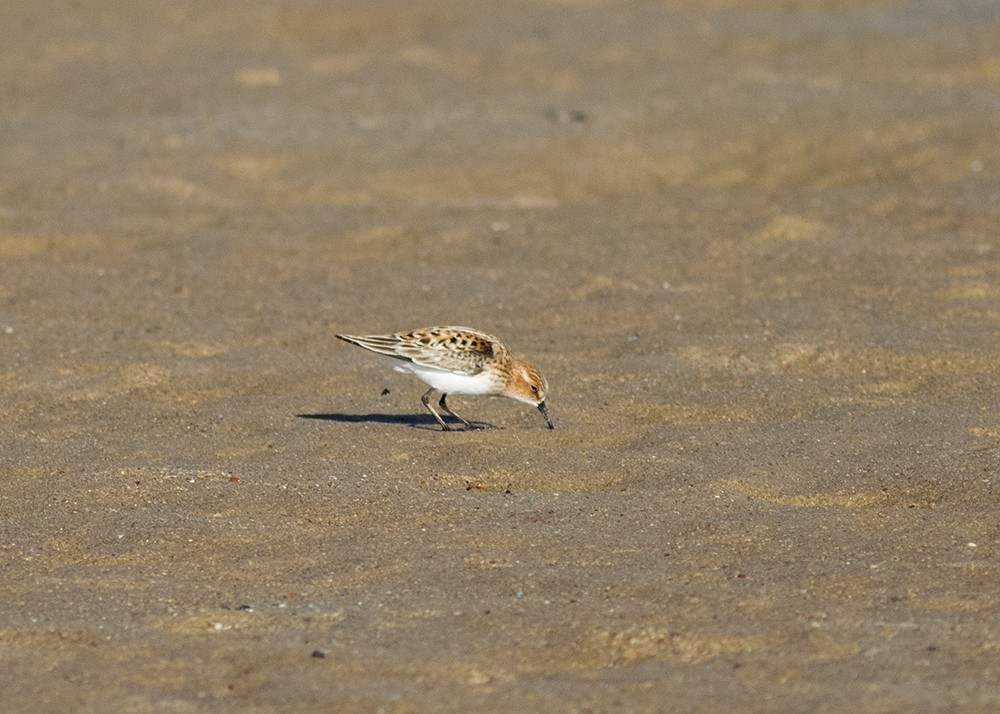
415	421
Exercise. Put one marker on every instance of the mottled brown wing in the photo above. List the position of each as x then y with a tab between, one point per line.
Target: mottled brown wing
456	349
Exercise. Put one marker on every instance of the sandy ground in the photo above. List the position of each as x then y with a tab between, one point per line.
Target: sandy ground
753	244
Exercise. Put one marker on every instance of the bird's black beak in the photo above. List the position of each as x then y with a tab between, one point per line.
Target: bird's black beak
545	413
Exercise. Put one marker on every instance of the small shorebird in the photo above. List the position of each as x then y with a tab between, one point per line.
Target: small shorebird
459	360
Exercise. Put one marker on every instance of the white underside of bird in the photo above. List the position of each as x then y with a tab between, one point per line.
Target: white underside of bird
449	382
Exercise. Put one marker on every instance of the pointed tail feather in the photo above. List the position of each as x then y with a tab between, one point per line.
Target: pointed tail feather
380	344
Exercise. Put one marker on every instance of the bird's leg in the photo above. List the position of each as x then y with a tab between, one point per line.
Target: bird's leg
425	399
444	405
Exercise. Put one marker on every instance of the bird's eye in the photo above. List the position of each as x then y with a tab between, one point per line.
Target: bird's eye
534	387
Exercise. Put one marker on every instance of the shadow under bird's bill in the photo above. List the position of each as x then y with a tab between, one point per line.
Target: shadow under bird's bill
460	360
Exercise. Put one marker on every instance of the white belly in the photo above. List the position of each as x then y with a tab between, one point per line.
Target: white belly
451	382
